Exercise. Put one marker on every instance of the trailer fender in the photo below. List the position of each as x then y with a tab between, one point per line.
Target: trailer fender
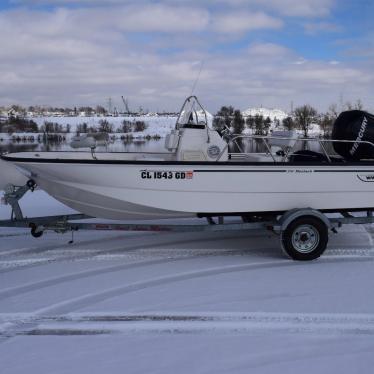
292	214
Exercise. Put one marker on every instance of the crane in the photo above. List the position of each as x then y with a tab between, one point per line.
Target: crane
126	103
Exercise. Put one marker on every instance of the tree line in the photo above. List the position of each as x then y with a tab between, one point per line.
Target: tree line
302	118
19	124
107	127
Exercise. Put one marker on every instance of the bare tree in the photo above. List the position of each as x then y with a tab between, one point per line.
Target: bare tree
304	117
126	126
333	111
267	125
140	126
259	125
326	123
238	122
82	127
105	126
250	122
223	118
356	106
288	123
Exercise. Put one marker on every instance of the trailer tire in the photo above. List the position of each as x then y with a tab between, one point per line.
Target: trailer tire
34	232
305	238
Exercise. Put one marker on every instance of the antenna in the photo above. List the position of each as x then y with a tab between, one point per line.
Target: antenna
197	78
110	105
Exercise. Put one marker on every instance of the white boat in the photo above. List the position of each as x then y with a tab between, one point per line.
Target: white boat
197	176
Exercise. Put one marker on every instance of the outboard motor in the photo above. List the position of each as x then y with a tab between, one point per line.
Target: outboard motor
358	126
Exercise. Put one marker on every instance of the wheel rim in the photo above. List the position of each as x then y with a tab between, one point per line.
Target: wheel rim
305	238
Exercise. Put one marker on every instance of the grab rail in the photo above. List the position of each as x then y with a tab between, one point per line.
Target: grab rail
265	139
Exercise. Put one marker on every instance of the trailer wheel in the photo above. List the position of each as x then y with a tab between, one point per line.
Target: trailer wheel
34	232
305	238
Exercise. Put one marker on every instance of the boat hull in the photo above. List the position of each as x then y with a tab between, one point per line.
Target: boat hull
141	190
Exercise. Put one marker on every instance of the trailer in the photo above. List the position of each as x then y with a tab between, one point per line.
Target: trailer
303	232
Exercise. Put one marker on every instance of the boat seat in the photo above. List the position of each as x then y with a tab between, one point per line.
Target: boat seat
307	156
258	157
311	156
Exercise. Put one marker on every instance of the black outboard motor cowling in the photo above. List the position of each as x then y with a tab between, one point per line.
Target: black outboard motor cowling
355	125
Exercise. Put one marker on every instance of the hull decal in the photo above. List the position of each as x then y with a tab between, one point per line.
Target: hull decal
369	178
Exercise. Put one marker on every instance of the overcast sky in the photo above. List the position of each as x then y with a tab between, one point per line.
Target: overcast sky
250	52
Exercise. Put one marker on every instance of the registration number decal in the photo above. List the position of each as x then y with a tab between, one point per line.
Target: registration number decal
160	174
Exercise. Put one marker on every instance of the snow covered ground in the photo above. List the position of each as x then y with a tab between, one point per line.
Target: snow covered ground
225	302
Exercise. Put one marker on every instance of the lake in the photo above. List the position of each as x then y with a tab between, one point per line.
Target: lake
135	145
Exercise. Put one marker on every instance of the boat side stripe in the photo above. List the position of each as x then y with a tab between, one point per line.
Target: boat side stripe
344	171
239	171
280	171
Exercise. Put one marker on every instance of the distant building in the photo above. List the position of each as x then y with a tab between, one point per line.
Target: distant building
3	115
12	113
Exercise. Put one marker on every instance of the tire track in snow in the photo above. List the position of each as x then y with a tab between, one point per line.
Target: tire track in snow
166	239
9	235
83	301
347	252
23	324
19	290
89	252
94	298
48	247
29	287
171	323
